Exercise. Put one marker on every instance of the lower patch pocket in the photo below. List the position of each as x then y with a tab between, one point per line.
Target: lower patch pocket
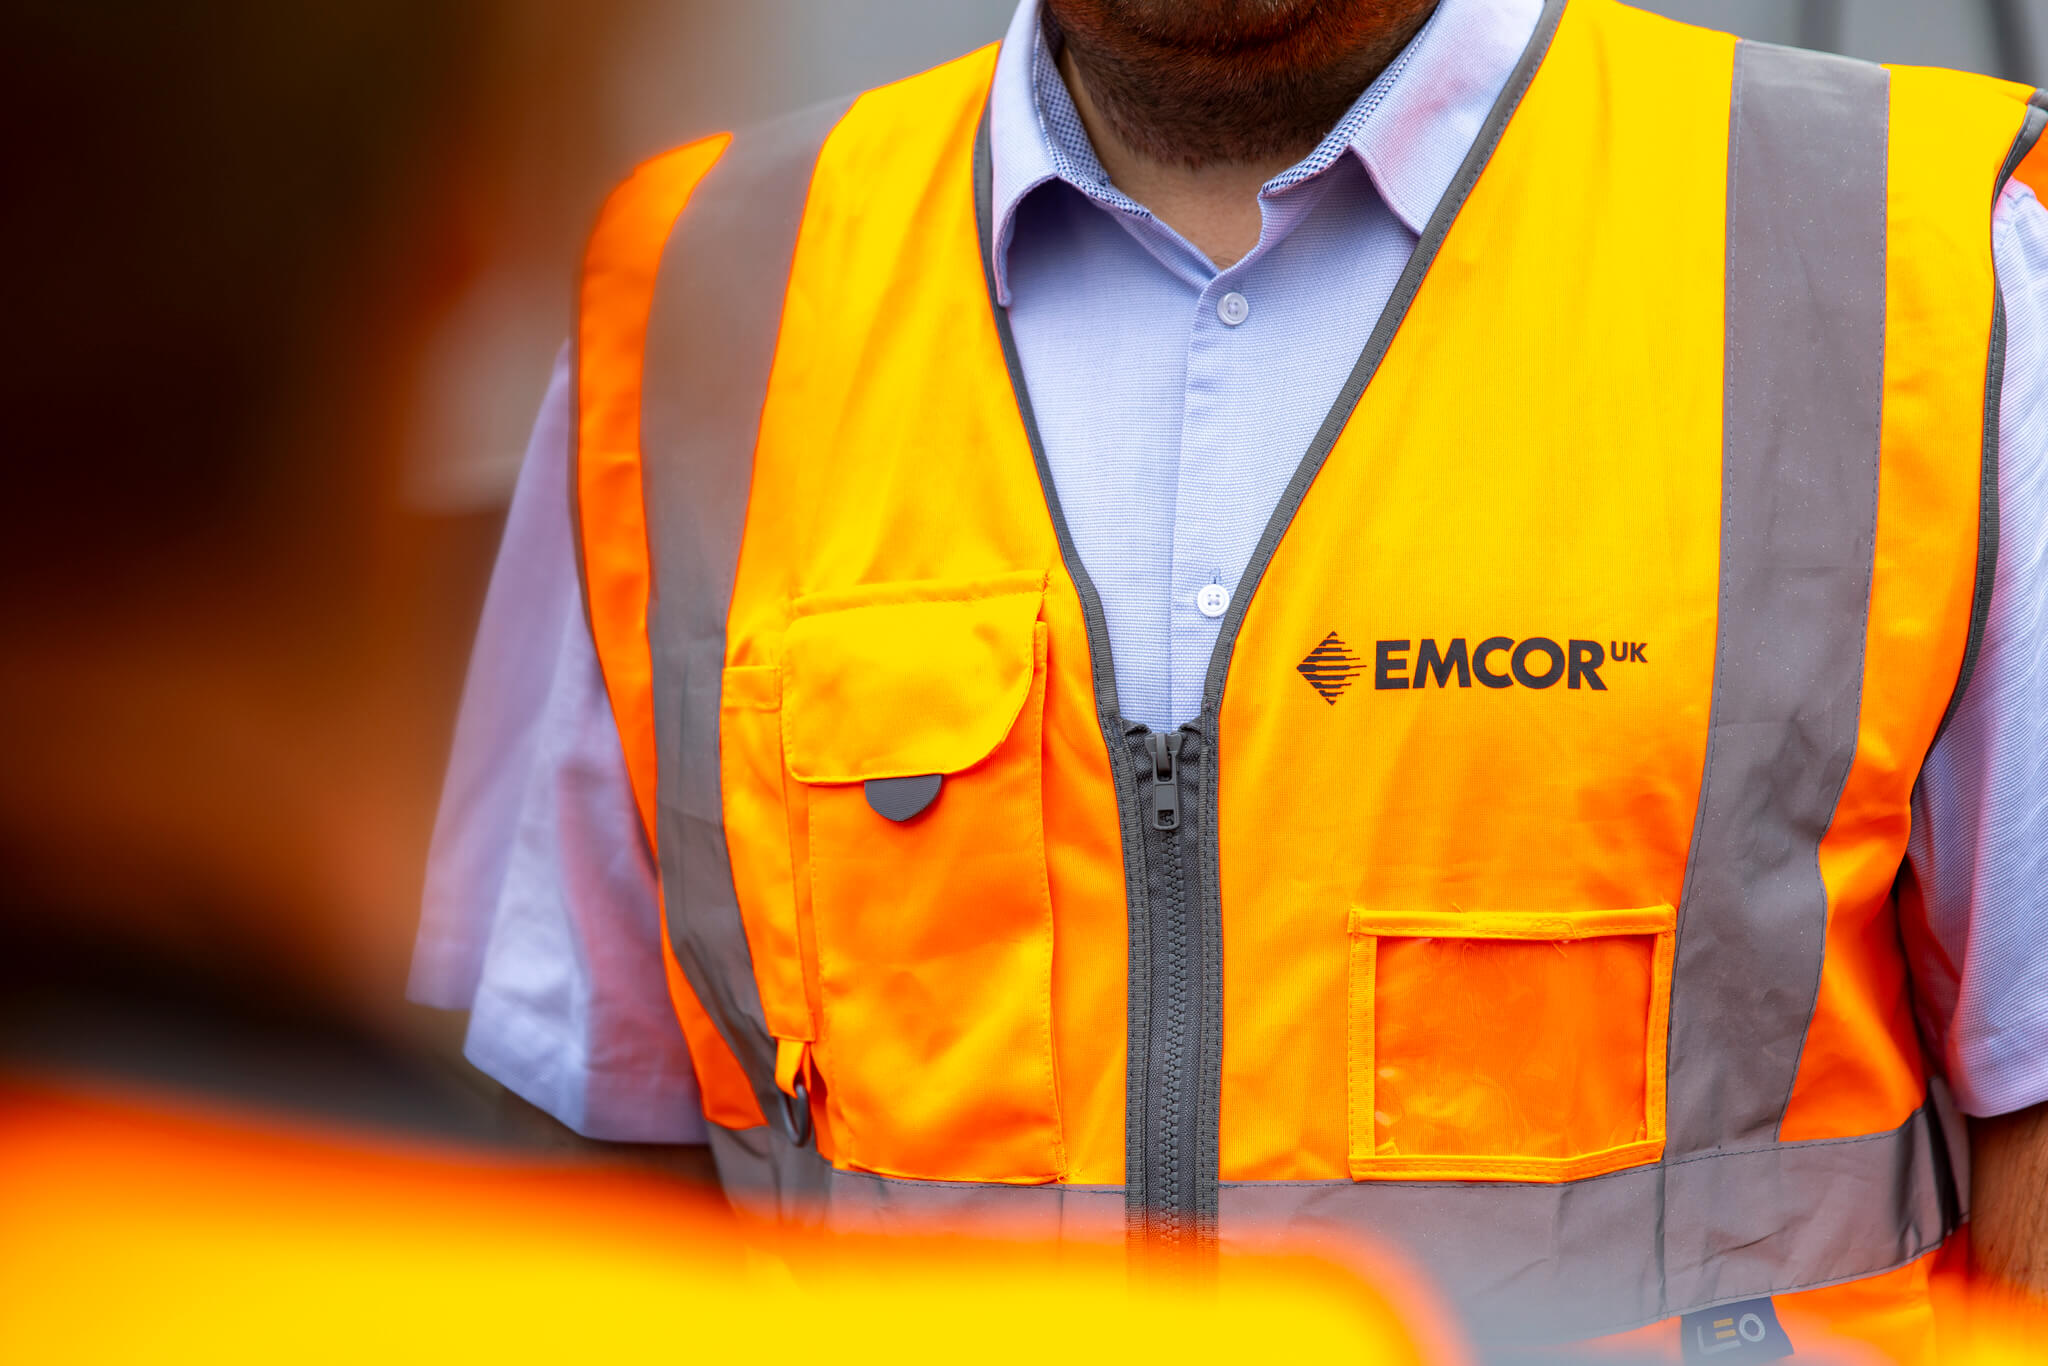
1507	1045
931	914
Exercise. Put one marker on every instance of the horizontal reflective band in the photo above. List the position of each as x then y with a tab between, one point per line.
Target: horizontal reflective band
710	345
1525	1263
763	1174
1531	1263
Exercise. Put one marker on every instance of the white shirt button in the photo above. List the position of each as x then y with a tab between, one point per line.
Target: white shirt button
1233	308
1213	600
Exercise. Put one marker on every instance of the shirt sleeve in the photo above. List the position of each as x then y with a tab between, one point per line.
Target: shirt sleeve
1976	921
540	915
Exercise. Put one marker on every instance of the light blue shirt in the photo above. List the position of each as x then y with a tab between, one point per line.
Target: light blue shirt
1170	428
1174	400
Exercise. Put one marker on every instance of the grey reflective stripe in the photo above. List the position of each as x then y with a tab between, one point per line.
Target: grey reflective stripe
762	1172
1524	1262
1808	143
710	344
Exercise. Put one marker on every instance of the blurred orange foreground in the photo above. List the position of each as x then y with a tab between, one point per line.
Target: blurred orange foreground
134	1231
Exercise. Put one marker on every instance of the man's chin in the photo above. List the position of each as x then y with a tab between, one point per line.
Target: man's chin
1217	28
1203	82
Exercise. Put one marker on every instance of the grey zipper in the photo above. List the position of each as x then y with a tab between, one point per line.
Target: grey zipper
1171	1158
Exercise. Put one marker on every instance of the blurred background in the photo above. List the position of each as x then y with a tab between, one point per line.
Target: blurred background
286	284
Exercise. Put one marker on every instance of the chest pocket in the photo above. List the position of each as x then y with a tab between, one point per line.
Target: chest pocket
1507	1045
931	924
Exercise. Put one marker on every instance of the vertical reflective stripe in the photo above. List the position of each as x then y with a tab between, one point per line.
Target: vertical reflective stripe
1807	166
620	268
710	345
608	518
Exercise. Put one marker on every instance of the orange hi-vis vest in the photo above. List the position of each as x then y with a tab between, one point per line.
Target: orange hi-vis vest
1528	890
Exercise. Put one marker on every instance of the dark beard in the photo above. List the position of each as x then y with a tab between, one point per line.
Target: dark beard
1199	82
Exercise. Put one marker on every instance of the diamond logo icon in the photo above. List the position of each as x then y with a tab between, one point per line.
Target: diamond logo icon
1330	667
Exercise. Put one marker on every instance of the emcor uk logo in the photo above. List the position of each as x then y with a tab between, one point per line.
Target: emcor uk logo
1495	662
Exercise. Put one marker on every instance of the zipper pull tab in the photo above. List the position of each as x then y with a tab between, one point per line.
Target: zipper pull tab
1165	784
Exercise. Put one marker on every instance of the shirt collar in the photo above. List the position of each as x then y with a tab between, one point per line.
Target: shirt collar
1410	129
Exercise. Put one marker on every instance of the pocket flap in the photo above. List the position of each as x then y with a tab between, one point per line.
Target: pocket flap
891	680
1546	925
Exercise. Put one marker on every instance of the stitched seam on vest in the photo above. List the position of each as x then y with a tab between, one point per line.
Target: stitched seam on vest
1994	386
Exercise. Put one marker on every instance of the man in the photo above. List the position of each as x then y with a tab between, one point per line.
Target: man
1370	617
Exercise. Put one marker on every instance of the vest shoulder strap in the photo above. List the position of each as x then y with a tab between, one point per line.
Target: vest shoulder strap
692	310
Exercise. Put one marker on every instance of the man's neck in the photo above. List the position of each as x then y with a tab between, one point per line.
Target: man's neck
1193	132
1214	205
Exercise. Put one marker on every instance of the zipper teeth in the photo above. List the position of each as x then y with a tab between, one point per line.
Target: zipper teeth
1174	1070
1152	1192
1167	1209
1138	1015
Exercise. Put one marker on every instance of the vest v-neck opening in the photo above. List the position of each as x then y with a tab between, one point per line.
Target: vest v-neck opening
1375	350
